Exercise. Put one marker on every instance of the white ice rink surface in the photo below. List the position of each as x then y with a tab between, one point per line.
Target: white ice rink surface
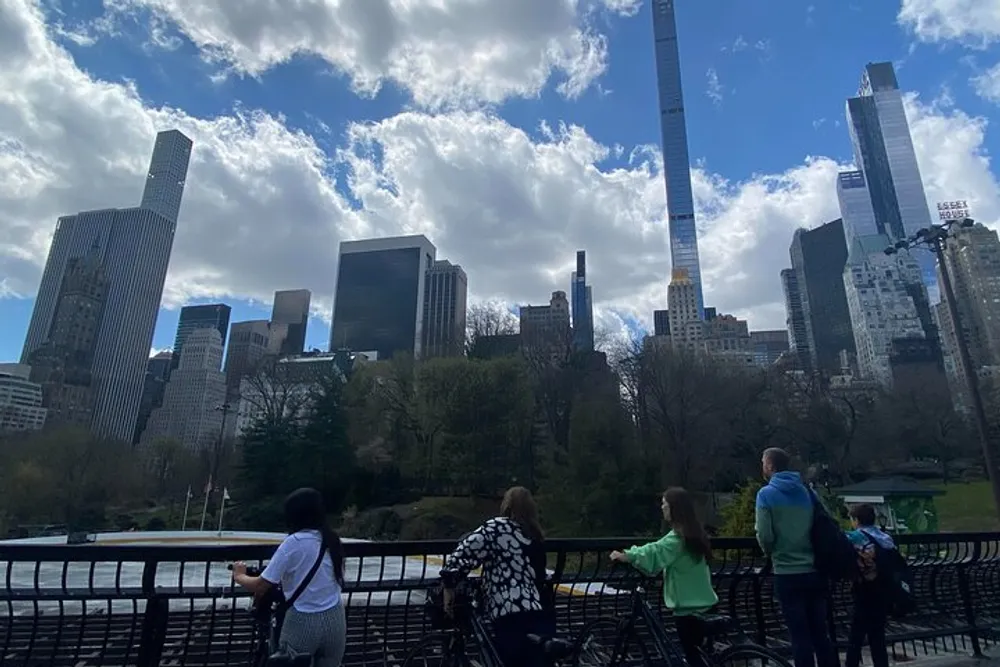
205	587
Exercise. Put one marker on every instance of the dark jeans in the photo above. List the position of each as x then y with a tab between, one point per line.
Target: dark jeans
869	621
691	633
803	604
510	634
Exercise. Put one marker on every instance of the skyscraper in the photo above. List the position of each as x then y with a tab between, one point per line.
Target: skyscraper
883	151
818	259
196	388
687	329
378	305
214	316
768	346
583	306
973	258
676	162
795	319
134	248
445	298
289	319
248	344
153	386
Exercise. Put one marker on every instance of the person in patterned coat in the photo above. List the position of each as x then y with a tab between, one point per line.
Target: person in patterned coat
518	599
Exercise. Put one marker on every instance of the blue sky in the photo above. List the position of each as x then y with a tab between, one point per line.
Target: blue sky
294	152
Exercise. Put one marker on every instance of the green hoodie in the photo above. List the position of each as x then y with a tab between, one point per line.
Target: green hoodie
687	581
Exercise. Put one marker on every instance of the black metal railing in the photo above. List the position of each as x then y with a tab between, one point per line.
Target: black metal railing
175	605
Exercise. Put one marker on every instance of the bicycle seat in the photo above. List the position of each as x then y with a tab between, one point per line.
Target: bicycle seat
555	649
718	624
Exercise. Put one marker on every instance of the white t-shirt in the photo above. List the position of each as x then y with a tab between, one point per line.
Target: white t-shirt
290	565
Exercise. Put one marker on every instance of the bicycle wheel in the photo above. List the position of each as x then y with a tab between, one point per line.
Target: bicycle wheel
748	655
435	651
595	646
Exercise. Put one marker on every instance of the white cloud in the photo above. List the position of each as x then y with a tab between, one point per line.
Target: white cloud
987	84
973	22
263	212
443	52
714	90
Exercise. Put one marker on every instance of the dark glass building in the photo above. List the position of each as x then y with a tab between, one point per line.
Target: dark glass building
289	319
378	306
208	316
583	306
818	259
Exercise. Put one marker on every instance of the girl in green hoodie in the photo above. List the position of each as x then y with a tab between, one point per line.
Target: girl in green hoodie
682	555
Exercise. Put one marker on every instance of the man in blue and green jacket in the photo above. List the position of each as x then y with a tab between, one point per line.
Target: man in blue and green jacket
784	518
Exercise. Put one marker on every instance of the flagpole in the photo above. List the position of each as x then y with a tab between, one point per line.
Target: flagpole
204	508
222	508
187	503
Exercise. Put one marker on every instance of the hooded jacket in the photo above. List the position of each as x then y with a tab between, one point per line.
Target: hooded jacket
783	522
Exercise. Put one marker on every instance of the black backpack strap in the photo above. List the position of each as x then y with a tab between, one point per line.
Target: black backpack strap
309	577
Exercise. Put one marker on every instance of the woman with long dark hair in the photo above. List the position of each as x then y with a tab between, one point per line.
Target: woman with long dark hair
682	555
316	623
510	548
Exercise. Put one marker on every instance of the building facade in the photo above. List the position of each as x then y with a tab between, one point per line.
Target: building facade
728	338
153	386
248	345
768	346
881	305
197	388
64	363
20	404
289	321
546	326
446	289
213	315
687	329
676	161
378	305
134	246
582	305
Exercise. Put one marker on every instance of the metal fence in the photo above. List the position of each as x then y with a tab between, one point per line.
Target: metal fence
175	605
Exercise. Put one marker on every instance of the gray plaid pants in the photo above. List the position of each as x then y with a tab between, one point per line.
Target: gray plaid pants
322	635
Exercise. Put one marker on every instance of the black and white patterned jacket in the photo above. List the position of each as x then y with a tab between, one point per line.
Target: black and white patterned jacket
513	567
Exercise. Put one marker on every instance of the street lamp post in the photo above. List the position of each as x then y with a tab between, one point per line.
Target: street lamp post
225	408
935	238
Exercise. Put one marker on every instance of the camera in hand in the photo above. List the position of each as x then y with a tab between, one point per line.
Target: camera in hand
251	570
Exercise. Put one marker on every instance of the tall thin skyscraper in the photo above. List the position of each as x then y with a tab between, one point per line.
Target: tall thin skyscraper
134	249
883	151
676	162
167	174
207	316
289	319
795	319
583	306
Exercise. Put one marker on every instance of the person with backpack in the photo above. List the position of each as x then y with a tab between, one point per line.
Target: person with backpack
784	524
682	555
308	565
872	597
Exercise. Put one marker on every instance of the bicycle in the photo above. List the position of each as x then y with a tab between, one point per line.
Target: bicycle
447	645
628	649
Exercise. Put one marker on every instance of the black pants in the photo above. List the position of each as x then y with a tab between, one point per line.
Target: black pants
510	634
691	633
869	622
803	604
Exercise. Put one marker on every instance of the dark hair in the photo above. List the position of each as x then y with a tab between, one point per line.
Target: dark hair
519	505
686	523
864	514
778	458
304	510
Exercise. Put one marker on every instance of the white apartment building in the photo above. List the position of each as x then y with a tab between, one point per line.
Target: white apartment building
20	402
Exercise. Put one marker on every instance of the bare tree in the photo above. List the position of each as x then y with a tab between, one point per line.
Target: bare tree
485	320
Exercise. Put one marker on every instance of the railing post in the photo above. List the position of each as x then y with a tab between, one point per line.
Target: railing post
154	620
966	593
758	601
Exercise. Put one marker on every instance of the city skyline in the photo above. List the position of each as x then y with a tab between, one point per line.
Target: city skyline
241	239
